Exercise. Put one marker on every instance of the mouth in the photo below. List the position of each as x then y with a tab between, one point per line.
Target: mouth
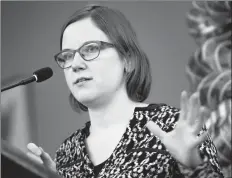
82	80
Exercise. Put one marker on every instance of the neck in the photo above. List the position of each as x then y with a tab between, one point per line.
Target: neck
113	114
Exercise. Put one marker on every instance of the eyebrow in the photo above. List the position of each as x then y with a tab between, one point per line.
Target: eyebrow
81	45
87	42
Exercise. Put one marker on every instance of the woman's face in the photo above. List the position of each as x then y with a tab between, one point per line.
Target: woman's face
106	71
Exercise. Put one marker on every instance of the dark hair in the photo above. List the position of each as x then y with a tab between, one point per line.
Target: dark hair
119	30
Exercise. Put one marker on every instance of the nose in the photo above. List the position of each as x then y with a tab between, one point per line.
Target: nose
78	63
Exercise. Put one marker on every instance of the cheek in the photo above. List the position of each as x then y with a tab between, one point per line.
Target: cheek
68	79
112	66
111	62
110	74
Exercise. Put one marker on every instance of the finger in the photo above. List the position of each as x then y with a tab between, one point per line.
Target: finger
198	125
222	113
34	149
48	161
183	105
34	158
194	108
222	110
200	139
45	157
212	122
155	129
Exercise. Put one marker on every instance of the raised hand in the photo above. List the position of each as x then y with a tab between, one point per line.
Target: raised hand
40	156
183	140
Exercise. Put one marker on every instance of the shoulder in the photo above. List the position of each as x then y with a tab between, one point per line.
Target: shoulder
165	116
69	141
64	152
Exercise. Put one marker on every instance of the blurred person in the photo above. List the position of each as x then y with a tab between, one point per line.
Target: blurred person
109	77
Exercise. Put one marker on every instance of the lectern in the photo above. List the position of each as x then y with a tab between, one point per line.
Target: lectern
16	164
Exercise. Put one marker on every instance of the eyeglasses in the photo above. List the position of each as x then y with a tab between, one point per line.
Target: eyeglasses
88	51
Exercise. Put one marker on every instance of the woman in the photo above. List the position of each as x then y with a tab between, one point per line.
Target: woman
108	75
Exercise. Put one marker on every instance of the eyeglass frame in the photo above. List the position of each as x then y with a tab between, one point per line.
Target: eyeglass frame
100	43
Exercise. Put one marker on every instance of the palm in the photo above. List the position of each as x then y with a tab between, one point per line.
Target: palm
182	142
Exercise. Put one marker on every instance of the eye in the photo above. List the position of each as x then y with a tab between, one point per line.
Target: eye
66	55
61	60
90	48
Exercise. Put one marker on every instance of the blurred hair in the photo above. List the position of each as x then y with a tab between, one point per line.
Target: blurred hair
209	69
120	32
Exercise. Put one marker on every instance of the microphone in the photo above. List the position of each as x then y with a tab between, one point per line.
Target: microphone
38	76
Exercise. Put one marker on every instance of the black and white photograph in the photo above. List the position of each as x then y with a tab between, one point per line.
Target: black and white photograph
116	89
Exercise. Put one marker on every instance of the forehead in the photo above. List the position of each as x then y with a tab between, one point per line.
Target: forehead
80	32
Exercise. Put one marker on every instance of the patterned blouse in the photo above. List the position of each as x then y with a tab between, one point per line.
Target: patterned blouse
139	154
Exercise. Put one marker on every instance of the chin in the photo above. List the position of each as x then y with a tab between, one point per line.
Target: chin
85	98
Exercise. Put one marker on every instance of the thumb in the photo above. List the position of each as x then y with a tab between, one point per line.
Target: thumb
48	161
155	129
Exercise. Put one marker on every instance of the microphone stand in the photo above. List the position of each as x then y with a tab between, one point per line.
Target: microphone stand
23	82
38	76
9	87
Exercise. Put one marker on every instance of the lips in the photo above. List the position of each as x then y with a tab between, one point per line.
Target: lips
82	79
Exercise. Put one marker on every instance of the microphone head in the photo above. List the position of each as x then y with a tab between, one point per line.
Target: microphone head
43	74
